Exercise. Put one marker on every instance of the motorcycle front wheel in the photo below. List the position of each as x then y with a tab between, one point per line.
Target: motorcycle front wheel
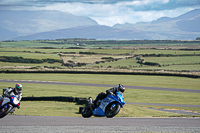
112	110
5	110
86	112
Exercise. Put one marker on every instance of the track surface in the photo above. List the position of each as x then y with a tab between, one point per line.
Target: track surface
13	123
101	85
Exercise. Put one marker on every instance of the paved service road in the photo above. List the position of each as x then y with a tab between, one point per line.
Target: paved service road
13	123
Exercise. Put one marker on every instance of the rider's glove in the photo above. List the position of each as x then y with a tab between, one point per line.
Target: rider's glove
109	92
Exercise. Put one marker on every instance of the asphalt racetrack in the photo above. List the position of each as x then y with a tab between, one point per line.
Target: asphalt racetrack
52	124
101	85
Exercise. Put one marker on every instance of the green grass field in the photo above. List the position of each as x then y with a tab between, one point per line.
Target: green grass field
31	55
130	95
134	80
42	50
167	63
32	44
174	60
45	108
160	51
35	50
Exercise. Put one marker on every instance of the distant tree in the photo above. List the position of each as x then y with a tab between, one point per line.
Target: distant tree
198	38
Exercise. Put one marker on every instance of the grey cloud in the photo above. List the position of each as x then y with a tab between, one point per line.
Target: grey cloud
156	5
172	4
28	2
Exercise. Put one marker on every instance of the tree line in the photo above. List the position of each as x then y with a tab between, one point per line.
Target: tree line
83	41
16	59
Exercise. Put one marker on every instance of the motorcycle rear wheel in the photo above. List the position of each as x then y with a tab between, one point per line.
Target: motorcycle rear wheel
87	112
112	111
5	111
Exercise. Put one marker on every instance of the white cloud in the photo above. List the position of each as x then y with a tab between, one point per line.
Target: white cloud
114	11
121	12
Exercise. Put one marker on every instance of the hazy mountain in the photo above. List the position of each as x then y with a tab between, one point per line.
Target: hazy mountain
7	34
190	25
89	32
29	22
188	15
49	25
186	26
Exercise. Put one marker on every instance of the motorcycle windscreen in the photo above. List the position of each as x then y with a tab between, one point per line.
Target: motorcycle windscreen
120	98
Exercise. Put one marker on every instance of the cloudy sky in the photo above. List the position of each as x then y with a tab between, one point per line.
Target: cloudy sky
109	12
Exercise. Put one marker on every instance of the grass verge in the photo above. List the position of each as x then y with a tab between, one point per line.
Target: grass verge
130	95
134	80
45	108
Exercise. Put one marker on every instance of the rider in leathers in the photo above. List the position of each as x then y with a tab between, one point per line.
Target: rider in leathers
13	91
112	91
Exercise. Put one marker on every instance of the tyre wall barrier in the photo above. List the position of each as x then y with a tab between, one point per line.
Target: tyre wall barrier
117	73
79	101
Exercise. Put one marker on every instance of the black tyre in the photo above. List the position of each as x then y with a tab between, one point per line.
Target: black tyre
111	110
4	112
86	112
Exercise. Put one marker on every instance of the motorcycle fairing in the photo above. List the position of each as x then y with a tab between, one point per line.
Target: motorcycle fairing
100	111
13	100
5	100
1	103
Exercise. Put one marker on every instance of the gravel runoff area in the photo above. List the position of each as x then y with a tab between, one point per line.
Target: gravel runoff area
52	124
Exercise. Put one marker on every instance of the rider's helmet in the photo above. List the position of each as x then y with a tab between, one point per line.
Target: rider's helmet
121	88
18	88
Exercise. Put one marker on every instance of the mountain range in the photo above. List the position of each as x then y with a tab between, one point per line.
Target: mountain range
39	25
22	23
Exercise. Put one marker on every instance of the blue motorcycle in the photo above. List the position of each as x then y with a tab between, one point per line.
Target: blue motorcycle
109	106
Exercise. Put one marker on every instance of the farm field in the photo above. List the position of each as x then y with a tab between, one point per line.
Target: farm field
103	59
30	55
103	56
108	44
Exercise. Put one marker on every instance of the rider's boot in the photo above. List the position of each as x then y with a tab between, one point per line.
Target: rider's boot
90	102
12	111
